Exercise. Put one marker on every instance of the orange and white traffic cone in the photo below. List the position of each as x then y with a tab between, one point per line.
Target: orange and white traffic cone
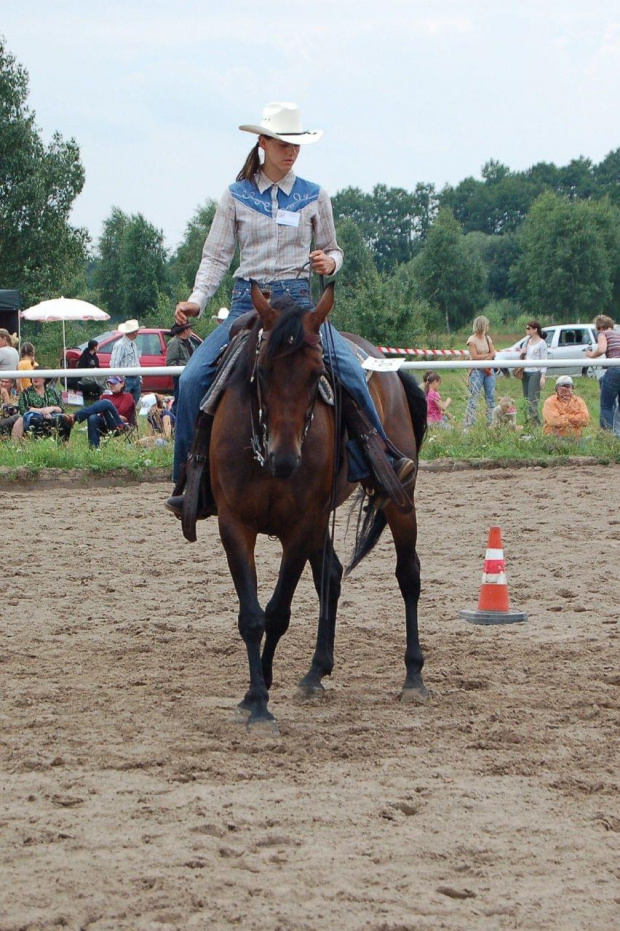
493	605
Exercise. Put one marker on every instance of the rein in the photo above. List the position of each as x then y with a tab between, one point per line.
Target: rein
259	439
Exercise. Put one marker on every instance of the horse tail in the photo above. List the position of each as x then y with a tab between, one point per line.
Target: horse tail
370	525
416	401
370	522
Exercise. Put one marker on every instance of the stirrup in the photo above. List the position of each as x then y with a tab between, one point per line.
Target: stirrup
389	483
405	471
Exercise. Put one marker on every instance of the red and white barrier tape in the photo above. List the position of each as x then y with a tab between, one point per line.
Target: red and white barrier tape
393	351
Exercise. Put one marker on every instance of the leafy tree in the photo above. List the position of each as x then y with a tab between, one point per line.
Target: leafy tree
107	273
607	175
495	205
450	275
498	254
569	266
143	267
132	270
40	252
392	220
384	309
577	179
185	261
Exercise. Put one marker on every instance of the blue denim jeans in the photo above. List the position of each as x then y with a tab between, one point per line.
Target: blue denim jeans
37	422
610	394
477	382
198	374
134	387
101	417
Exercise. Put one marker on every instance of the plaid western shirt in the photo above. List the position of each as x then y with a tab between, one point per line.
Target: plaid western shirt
125	354
274	224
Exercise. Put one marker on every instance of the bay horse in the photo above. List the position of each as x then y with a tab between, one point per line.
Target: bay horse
289	494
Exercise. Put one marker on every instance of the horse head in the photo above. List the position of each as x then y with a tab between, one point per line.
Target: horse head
289	364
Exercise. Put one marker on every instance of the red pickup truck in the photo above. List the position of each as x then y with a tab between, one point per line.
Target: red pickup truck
151	346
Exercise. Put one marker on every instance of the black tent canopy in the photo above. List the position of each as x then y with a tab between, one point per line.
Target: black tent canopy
10	303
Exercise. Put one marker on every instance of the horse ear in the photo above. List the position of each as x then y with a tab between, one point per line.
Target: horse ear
323	308
263	307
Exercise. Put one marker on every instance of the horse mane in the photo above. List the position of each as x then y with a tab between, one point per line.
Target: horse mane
287	336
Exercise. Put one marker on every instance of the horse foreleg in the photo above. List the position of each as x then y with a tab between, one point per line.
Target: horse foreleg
239	542
278	611
404	531
327	583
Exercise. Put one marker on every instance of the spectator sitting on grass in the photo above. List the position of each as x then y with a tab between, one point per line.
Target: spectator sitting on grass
505	414
8	393
157	408
9	410
564	413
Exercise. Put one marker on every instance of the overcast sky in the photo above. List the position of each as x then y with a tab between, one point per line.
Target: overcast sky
406	90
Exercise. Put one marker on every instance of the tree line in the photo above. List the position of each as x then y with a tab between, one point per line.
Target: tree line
544	242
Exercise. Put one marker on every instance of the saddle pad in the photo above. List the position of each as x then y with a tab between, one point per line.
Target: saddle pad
225	365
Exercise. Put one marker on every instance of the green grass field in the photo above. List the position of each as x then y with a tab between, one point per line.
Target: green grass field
526	443
478	443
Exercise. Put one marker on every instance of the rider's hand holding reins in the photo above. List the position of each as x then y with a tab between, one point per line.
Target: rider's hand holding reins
322	264
185	309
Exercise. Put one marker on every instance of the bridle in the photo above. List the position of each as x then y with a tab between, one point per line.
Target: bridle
259	439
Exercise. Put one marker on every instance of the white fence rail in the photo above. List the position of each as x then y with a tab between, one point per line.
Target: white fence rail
391	365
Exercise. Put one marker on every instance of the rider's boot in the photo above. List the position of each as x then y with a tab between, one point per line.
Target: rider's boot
392	475
193	489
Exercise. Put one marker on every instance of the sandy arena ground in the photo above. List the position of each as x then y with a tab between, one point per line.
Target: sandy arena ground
131	799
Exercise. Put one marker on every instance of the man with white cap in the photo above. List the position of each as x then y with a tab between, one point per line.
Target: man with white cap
276	218
126	354
564	413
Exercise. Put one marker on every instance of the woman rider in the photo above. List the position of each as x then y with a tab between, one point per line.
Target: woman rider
273	215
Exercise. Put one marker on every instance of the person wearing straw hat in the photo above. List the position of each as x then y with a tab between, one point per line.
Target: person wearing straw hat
126	354
274	217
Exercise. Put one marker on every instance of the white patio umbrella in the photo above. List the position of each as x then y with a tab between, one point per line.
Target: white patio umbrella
61	309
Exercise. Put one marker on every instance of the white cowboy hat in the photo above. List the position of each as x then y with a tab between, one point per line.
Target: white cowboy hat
221	315
564	380
130	326
283	121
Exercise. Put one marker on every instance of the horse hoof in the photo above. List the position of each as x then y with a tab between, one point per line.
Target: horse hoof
308	691
242	713
417	694
265	726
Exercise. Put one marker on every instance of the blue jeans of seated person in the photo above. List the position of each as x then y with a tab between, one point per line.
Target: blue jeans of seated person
477	381
33	419
101	417
198	374
610	394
